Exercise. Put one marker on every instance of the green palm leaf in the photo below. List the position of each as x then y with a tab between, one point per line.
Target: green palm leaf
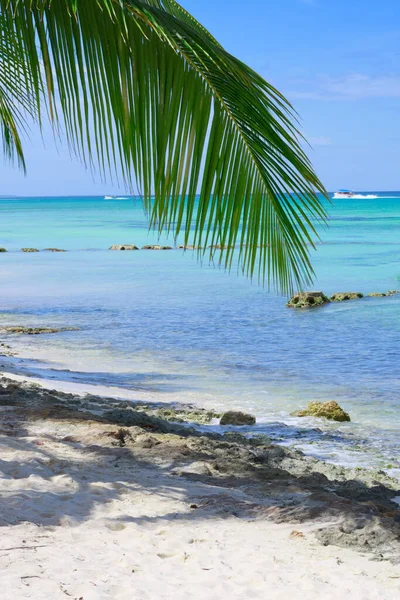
142	89
15	99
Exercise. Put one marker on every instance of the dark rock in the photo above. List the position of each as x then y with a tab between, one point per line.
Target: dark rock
343	296
307	300
393	292
328	410
3	250
189	247
123	247
237	418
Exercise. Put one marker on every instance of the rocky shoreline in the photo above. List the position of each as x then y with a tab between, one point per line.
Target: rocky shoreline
346	507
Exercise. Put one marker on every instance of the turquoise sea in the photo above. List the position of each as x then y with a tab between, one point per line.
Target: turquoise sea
160	326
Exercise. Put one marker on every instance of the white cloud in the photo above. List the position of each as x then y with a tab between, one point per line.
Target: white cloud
350	87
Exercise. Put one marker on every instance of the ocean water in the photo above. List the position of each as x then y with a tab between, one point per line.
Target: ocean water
158	326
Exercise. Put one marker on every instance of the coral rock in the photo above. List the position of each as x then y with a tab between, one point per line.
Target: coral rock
328	410
307	300
343	296
123	247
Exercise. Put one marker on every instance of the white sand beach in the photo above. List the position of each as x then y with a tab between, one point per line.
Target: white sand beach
87	515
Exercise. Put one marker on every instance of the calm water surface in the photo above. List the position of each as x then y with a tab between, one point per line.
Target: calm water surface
159	326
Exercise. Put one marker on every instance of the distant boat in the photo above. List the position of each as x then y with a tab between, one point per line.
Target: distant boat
116	198
340	194
348	194
109	197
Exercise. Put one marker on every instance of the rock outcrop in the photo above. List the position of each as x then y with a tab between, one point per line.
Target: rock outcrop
3	250
54	250
35	330
237	418
123	247
328	410
343	296
307	300
29	250
377	294
156	247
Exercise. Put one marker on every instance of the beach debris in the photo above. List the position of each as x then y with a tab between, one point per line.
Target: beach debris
35	330
3	250
54	250
343	296
307	300
156	247
237	418
123	247
29	250
297	534
328	410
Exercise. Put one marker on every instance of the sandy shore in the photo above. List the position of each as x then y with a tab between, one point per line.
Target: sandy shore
100	499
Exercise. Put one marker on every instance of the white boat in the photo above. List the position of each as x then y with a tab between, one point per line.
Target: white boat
340	194
109	197
116	198
347	194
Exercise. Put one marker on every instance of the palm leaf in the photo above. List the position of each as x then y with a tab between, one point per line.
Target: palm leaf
143	90
15	100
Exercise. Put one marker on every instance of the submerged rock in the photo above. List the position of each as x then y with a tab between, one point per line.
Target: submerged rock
307	300
233	417
189	247
3	250
156	247
29	250
123	247
36	330
328	410
342	296
54	250
220	247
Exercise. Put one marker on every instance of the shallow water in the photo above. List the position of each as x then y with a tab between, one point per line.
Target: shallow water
160	326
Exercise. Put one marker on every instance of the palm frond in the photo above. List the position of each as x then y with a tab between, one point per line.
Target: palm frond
16	103
142	89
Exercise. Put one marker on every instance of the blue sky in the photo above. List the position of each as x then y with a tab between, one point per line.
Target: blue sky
337	61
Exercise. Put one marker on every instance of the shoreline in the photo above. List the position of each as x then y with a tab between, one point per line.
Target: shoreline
115	494
328	441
